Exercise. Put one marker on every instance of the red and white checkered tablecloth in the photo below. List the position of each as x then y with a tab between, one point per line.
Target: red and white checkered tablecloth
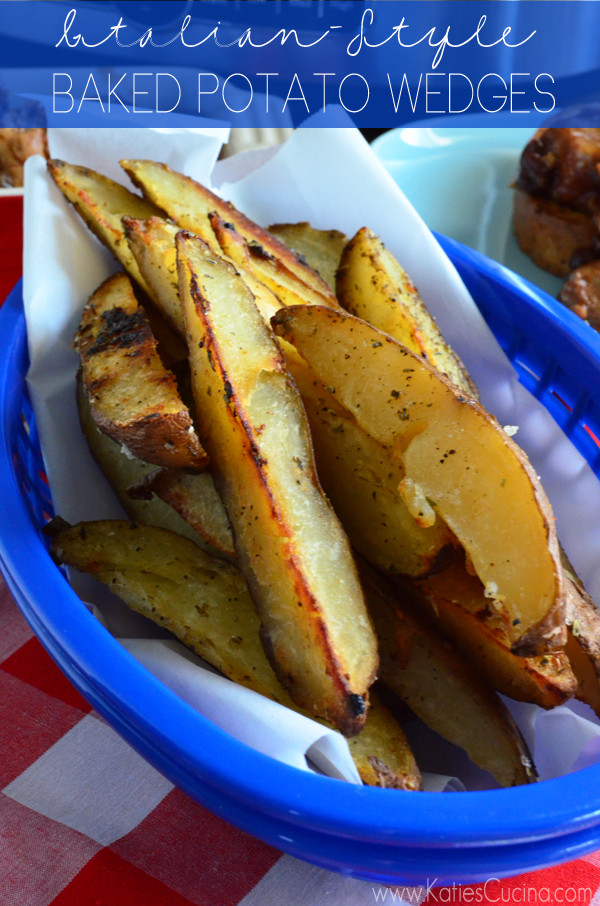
84	821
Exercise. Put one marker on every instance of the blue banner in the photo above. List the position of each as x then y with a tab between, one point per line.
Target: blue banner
277	62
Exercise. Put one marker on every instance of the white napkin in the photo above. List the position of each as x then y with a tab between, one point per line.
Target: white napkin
333	179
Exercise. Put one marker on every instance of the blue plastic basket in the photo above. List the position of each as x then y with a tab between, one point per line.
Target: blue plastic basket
387	836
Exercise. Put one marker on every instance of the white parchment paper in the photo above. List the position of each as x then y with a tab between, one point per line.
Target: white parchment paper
333	179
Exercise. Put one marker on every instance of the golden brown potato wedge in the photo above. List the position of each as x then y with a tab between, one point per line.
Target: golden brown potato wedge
102	203
457	603
372	285
264	266
322	249
122	471
555	237
193	495
441	689
188	203
583	643
456	458
133	397
290	546
362	479
206	604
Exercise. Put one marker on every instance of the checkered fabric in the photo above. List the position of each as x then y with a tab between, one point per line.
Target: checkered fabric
84	821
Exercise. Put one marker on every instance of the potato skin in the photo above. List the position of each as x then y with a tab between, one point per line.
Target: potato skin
134	399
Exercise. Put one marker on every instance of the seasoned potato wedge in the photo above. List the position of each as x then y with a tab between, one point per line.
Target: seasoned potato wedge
322	249
133	397
206	604
264	266
458	605
188	203
102	203
583	643
290	546
361	478
123	471
456	458
441	689
193	495
372	285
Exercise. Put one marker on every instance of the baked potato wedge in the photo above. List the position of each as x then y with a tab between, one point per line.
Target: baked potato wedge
264	266
322	249
193	495
457	604
372	285
290	546
123	471
134	399
102	202
457	461
206	604
189	203
362	478
447	694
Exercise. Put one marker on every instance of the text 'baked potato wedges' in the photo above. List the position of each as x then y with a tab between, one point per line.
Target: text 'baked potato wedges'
290	545
372	285
189	203
133	397
456	458
444	691
206	604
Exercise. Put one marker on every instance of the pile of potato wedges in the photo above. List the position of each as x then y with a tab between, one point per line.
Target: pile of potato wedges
318	504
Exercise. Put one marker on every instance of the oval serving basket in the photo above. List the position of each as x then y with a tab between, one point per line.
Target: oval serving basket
387	836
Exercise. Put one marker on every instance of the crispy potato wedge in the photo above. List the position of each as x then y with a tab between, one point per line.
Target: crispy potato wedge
102	203
206	604
456	458
440	688
290	545
322	249
264	266
583	643
133	397
122	471
556	238
188	203
372	285
456	601
152	243
362	479
193	495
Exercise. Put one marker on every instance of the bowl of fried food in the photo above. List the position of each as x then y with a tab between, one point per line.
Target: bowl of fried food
316	501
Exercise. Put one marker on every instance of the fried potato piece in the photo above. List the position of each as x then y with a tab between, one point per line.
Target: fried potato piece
188	203
195	498
133	397
362	478
456	601
373	286
264	266
456	458
291	547
322	249
441	689
122	471
556	238
583	643
102	203
206	604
